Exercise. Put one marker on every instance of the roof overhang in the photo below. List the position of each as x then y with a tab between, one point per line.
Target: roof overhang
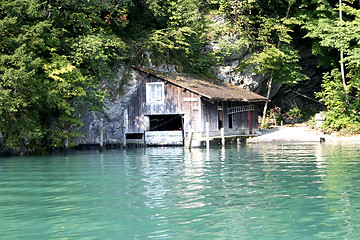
210	89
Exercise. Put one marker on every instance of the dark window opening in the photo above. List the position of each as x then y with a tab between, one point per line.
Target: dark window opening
230	121
169	122
230	117
134	136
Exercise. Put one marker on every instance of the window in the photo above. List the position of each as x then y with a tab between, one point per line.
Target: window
155	93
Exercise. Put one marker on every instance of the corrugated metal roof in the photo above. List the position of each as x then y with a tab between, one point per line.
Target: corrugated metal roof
211	89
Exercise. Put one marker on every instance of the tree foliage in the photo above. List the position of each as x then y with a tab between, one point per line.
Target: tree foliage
173	31
339	35
270	28
267	30
53	55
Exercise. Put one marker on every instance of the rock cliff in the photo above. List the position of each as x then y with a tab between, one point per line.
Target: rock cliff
111	120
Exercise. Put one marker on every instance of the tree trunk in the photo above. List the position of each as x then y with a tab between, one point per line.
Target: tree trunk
343	71
266	103
342	55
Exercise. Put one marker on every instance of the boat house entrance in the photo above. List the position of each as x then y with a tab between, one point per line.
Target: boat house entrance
165	130
169	108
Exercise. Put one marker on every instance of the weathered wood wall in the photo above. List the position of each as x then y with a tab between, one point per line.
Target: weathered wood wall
176	102
195	110
240	121
210	114
160	138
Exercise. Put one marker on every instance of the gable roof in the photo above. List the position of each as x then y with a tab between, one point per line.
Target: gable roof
213	90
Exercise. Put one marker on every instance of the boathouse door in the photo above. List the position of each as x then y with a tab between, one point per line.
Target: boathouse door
165	130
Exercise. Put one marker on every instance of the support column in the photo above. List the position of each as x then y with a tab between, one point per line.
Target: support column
250	122
207	135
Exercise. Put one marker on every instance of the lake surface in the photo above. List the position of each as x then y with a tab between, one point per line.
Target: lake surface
250	192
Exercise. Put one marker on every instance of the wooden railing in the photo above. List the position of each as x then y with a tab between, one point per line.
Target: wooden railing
239	109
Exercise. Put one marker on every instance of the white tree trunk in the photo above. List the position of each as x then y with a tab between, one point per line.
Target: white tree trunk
266	103
342	67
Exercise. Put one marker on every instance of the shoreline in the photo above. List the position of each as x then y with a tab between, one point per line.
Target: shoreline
299	134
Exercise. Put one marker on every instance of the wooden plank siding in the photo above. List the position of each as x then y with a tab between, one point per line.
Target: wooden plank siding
196	102
210	114
240	121
138	110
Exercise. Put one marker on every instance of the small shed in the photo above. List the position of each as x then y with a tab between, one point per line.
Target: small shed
170	108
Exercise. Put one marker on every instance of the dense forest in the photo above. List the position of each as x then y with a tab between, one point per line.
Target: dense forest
56	54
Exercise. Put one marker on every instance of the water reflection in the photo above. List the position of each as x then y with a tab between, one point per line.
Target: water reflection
157	166
319	175
193	178
286	191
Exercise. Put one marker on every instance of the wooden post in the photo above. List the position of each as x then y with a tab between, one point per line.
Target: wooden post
190	136
250	122
124	140
207	135
101	143
222	137
125	127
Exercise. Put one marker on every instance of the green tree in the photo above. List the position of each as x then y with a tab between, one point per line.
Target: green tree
172	31
267	28
53	55
337	31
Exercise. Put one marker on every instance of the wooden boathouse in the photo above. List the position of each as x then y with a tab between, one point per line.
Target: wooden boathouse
176	109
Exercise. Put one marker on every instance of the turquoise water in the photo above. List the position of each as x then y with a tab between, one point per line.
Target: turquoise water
250	192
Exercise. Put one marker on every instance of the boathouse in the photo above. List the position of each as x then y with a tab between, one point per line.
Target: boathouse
176	109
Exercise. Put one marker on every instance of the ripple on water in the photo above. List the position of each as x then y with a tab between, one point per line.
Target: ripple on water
250	192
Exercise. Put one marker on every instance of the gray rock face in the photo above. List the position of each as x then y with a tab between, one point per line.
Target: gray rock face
281	95
234	51
111	121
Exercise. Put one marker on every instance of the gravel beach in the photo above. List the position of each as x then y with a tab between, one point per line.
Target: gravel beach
298	134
